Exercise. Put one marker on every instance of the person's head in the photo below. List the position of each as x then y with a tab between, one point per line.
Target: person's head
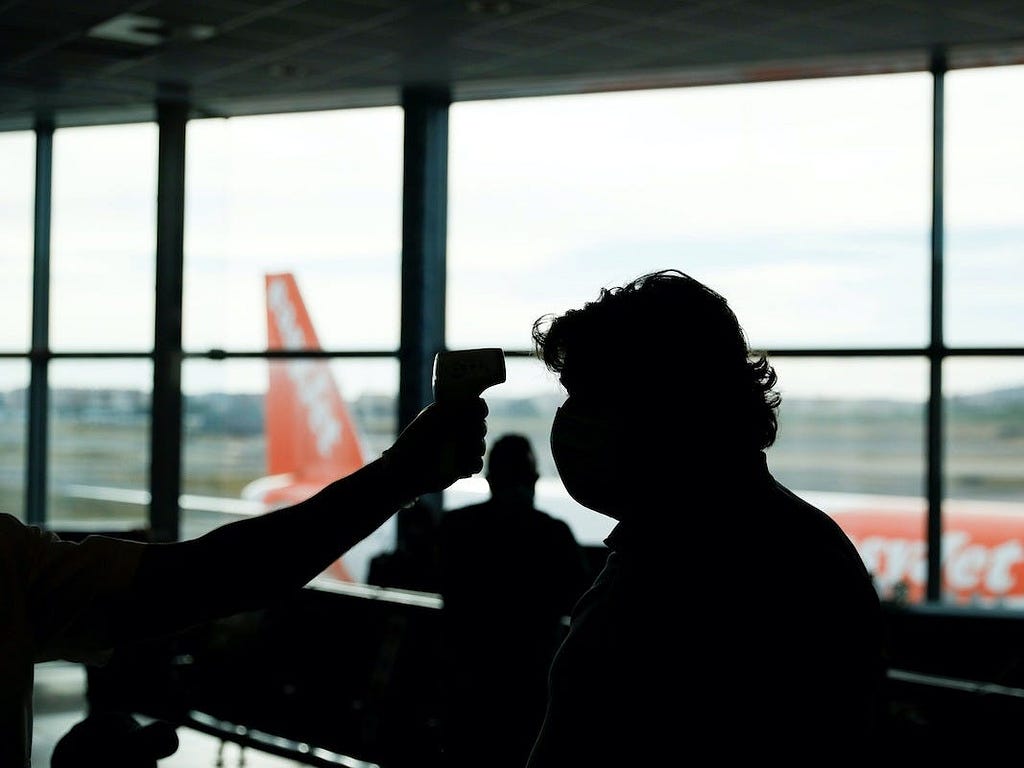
512	470
660	381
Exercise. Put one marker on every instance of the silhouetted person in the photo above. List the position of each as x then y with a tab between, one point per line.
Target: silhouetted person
412	564
510	574
732	619
62	600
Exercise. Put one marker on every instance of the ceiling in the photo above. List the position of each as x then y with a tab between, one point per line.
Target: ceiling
109	60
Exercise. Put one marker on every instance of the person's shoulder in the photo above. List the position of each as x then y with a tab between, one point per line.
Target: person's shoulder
786	497
800	509
553	526
548	519
12	529
9	522
12	533
815	532
793	511
457	513
461	516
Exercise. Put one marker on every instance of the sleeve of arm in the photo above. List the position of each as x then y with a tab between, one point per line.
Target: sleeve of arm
82	599
75	592
248	563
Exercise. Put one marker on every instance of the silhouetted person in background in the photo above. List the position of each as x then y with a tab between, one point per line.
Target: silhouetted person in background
413	563
62	600
732	619
510	574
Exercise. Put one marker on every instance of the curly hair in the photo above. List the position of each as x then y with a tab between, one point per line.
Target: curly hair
668	336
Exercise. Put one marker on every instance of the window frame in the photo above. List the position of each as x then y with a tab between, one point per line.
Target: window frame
423	276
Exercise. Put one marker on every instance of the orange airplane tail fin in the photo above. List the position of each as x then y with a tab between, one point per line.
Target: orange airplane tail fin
311	438
310	433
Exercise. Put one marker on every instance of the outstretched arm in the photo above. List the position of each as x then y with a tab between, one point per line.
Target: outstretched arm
181	584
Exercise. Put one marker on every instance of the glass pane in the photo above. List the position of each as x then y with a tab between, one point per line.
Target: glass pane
316	194
13	414
262	434
17	188
851	441
104	237
983	514
526	404
985	206
806	204
99	444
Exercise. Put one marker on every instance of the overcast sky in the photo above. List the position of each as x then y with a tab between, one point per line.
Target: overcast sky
806	204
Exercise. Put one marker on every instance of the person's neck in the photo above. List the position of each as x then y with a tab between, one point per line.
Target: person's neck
512	502
711	475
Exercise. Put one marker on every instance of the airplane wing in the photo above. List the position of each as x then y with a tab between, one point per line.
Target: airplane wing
224	505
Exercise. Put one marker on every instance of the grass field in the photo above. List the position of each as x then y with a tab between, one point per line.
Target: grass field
847	446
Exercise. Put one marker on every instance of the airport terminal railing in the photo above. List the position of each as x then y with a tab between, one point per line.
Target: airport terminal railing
343	673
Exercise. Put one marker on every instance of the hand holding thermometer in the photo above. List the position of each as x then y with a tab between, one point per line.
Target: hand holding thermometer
461	376
439	445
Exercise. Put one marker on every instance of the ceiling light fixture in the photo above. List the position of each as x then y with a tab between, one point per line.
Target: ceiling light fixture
148	30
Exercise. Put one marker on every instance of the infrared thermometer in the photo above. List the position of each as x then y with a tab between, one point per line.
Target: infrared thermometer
465	373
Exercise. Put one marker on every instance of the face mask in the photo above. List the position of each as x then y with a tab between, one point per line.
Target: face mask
589	459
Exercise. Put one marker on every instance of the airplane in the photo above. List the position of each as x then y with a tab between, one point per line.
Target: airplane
982	541
312	439
982	546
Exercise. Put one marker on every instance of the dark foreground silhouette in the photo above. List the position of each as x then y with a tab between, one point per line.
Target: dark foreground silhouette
510	574
77	601
732	619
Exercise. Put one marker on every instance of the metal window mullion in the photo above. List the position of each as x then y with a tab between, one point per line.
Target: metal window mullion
165	424
937	349
424	242
38	390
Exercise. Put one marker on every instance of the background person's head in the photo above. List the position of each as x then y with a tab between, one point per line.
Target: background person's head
663	365
512	470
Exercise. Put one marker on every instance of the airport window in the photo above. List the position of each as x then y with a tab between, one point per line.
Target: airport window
525	403
805	203
103	238
251	441
851	441
316	194
985	206
984	413
99	444
311	201
13	384
16	186
850	426
983	420
985	436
